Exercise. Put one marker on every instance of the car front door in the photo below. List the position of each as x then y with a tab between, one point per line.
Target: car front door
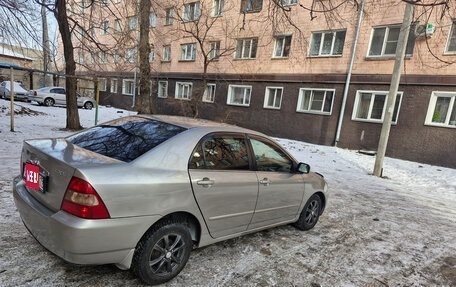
280	190
59	96
225	188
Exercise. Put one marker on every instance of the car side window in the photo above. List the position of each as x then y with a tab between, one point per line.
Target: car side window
221	153
269	157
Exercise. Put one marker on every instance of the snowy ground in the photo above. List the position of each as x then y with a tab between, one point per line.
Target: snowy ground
396	231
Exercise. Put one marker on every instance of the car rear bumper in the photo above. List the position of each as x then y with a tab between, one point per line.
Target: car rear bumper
78	240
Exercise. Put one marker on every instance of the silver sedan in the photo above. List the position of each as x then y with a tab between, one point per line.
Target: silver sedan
141	192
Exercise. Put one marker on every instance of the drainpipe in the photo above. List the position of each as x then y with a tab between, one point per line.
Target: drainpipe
350	70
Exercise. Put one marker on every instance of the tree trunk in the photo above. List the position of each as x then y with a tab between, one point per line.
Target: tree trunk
144	104
70	66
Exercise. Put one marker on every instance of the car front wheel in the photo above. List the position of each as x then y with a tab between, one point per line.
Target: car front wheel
309	214
88	105
49	102
162	253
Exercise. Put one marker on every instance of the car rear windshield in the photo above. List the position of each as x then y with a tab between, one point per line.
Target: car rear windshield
127	138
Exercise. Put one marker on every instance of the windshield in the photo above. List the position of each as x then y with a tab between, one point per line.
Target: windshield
125	139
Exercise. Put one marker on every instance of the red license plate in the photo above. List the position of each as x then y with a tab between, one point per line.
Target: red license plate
32	176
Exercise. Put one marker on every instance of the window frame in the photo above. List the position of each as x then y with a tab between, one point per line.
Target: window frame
323	35
132	23
214	52
180	96
209	91
133	86
131	55
283	39
451	37
114	85
301	95
103	84
245	103
166	53
451	111
104	27
169	16
241	47
152	20
160	86
191	11
188	49
410	44
267	95
369	118
217	8
251	6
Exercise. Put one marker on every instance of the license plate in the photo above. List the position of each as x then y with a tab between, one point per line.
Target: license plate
34	178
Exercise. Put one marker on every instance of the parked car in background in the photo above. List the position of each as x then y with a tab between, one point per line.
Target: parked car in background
142	191
50	96
20	91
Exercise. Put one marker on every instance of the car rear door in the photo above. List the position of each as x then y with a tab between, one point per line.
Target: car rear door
225	188
280	190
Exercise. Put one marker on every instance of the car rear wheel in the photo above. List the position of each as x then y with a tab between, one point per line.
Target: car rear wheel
162	253
309	214
49	102
88	105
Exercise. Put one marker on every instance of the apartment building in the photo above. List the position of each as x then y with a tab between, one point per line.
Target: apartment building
282	67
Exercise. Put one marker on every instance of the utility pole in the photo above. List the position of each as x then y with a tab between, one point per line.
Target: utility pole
46	51
400	54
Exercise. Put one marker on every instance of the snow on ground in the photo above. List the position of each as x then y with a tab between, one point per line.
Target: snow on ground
394	231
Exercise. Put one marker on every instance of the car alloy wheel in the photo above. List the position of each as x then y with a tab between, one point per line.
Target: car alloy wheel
309	214
88	105
49	102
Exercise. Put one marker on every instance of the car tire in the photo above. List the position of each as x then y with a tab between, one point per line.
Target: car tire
162	253
309	214
88	105
49	102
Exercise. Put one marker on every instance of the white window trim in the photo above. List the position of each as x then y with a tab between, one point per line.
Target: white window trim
451	32
166	59
165	95
124	81
300	99
266	98
184	52
189	17
431	109
323	33
217	8
103	84
283	39
230	95
205	93
114	85
180	97
355	106
243	48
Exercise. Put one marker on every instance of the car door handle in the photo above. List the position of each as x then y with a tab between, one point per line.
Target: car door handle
265	181
205	182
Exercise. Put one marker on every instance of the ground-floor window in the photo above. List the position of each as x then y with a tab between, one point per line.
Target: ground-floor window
370	106
442	109
128	87
114	83
315	101
183	90
273	98
239	95
162	89
209	93
103	84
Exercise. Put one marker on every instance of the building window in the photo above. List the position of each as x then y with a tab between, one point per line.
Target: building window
246	48
451	45
105	2
114	83
442	110
162	89
288	2
167	53
169	17
217	8
102	84
130	55
117	1
152	20
151	54
251	5
327	43
115	56
93	57
81	57
128	87
214	52
384	41
315	101
188	52
209	93
370	106
104	27
82	7
191	12
282	46
183	90
102	57
239	95
118	25
273	97
132	23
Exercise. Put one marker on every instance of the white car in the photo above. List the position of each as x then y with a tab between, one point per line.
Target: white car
20	92
50	96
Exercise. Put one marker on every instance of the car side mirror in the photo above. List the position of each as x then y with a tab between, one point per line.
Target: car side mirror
303	168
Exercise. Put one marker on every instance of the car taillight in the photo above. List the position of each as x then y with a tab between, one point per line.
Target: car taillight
34	93
83	201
